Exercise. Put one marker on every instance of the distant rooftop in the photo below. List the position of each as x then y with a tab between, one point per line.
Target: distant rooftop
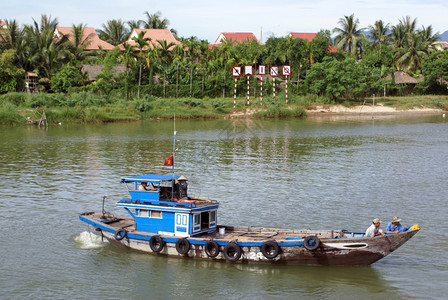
89	35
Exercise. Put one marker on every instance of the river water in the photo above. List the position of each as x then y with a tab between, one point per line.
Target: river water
319	173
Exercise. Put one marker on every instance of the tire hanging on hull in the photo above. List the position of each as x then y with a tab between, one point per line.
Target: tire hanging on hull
120	234
211	248
270	249
156	243
183	246
311	242
232	251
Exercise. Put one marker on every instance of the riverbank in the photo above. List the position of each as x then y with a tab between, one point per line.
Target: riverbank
86	108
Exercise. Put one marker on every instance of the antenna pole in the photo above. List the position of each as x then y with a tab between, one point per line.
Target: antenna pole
174	153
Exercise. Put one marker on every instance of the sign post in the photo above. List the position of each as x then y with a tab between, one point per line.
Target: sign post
236	72
286	69
274	73
261	72
248	72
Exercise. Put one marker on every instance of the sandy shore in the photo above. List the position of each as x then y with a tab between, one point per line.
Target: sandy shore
369	110
359	111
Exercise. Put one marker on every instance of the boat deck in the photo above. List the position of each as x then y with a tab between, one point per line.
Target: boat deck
240	233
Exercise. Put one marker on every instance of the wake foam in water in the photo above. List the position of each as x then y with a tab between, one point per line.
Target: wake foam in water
89	240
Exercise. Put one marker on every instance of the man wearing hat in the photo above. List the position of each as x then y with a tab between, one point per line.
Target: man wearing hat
394	226
183	186
374	229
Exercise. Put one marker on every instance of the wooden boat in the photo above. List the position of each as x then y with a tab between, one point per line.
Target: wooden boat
162	223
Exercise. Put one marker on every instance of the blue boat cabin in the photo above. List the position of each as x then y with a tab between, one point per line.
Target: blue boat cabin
157	206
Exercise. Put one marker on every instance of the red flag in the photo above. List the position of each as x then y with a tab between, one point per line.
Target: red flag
169	161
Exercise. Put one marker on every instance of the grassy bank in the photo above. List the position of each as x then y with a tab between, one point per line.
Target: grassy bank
21	108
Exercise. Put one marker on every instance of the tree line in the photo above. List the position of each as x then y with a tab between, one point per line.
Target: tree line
357	69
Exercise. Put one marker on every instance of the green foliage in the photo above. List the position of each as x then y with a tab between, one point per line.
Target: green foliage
9	114
435	72
17	99
281	112
67	78
343	79
10	75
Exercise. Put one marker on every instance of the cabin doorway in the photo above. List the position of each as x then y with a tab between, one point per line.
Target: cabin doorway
205	220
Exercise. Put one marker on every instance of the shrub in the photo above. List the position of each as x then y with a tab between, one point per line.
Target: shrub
9	114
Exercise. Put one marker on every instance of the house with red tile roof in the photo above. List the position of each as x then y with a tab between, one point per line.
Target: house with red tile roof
2	24
303	35
236	37
89	35
155	35
309	37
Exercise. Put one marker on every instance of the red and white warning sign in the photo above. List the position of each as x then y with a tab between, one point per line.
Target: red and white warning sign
261	70
248	70
274	71
286	69
236	71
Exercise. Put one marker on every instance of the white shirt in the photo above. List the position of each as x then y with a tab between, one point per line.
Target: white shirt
141	188
372	231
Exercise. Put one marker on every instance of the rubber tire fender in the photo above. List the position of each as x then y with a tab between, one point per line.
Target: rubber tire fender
120	234
156	243
211	248
311	242
266	249
183	246
230	248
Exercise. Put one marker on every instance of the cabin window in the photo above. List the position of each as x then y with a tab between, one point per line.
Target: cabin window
212	216
156	214
143	213
197	219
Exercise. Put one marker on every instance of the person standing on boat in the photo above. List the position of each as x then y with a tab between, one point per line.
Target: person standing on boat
142	187
183	186
394	226
374	229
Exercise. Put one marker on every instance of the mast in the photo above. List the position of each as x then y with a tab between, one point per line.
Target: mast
174	153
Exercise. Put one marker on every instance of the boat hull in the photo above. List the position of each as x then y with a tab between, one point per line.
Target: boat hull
335	247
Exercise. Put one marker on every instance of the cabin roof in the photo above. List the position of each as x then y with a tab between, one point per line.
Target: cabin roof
148	178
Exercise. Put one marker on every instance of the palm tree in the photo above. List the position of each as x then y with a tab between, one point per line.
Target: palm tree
47	53
134	24
178	56
192	54
13	37
379	34
225	53
154	21
78	43
114	32
128	60
348	35
142	42
410	57
165	58
429	37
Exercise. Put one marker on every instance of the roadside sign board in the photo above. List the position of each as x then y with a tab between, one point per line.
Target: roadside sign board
286	69
261	70
236	71
248	70
274	71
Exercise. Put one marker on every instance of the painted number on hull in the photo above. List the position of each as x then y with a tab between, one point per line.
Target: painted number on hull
254	256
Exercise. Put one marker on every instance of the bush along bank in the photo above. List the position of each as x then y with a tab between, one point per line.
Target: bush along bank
85	107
